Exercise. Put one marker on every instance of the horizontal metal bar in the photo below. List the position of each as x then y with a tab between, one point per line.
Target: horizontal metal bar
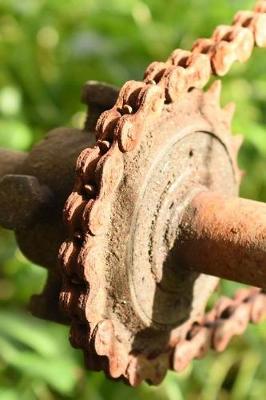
225	237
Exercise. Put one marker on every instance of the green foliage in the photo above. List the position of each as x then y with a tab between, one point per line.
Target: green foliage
48	49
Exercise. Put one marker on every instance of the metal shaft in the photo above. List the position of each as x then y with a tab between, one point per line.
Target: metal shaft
224	237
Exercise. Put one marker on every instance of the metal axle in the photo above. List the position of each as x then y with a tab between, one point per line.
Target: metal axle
225	237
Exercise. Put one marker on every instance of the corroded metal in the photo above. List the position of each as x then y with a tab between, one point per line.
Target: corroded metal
10	161
130	280
31	201
32	197
34	187
22	201
167	81
224	236
99	97
133	291
120	328
228	318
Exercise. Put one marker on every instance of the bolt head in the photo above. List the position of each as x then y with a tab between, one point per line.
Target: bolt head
21	199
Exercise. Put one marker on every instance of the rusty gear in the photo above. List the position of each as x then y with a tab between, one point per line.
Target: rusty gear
132	315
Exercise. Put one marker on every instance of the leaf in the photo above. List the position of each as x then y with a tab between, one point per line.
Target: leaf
14	134
60	373
27	333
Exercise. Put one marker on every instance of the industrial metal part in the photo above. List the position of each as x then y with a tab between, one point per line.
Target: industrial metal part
154	208
128	291
225	237
34	187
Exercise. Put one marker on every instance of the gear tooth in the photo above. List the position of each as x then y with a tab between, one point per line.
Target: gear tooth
107	345
237	142
229	110
214	92
241	174
104	338
133	371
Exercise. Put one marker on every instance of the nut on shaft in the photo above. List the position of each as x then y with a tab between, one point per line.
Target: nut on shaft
10	161
225	237
22	200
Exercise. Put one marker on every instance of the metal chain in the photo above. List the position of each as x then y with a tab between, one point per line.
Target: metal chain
98	173
228	318
139	102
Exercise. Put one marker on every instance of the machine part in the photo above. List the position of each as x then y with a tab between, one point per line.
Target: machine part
137	300
30	200
134	296
162	143
225	237
40	184
99	97
10	161
32	196
34	188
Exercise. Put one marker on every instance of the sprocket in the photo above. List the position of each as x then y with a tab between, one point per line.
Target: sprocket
129	301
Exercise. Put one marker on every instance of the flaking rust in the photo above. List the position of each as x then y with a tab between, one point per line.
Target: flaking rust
130	258
150	204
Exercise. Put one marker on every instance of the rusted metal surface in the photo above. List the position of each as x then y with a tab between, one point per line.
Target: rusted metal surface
22	200
99	97
108	322
40	181
31	201
228	318
129	294
141	102
225	237
10	161
34	187
133	310
32	197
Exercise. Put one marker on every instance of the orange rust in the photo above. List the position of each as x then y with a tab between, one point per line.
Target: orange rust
226	237
138	106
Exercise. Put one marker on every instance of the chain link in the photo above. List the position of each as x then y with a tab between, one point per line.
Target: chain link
228	318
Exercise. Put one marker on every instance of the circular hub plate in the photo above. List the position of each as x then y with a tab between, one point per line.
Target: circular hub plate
147	289
161	290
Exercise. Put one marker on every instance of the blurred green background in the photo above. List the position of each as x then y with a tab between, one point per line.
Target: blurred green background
48	49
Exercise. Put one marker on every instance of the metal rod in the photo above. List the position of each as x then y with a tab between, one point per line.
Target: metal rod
225	237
